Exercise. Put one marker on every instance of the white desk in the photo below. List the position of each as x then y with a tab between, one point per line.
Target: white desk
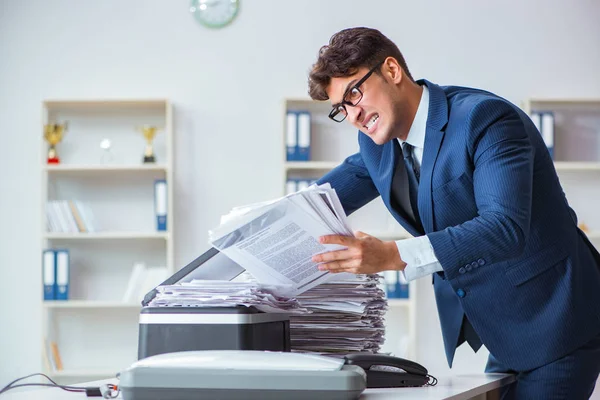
460	387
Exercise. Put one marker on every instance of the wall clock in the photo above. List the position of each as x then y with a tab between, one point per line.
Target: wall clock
215	13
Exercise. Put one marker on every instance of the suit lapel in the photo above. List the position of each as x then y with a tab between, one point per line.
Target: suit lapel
437	119
389	157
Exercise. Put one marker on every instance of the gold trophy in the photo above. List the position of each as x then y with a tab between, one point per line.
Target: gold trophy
149	132
53	133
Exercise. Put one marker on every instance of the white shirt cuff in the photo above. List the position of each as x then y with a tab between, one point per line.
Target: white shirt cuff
419	257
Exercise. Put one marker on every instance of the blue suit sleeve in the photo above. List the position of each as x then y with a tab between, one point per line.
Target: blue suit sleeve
352	183
502	158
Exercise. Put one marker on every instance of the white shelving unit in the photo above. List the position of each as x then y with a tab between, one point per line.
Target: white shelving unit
95	330
331	143
576	154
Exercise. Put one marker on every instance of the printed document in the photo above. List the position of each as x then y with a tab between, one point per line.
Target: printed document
275	240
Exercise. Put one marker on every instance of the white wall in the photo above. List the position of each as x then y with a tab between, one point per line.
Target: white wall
227	87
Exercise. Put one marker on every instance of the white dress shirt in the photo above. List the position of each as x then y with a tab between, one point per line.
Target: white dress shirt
417	252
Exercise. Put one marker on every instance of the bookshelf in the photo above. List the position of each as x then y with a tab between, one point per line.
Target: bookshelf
576	154
330	144
95	329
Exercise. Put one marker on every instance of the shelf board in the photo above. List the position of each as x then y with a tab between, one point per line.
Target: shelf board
107	235
399	302
308	165
105	103
104	168
565	101
576	166
88	304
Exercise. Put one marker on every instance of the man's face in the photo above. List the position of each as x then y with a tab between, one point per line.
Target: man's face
374	113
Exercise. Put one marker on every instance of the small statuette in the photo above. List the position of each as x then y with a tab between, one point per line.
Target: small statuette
53	134
107	155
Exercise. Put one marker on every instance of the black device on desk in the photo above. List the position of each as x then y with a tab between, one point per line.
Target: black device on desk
386	371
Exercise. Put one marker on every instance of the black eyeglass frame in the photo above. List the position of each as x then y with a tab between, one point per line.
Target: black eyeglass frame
337	108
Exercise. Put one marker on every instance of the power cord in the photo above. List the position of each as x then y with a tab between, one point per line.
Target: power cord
107	391
432	380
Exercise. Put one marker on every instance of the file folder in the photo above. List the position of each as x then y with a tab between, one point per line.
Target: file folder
303	136
291	135
391	283
291	186
536	118
48	274
548	131
303	184
402	286
160	204
62	274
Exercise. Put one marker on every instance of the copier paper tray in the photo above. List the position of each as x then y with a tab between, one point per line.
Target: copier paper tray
247	374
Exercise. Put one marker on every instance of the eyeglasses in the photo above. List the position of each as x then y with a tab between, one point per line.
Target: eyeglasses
352	96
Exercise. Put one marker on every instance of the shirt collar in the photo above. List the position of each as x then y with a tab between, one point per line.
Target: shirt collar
416	134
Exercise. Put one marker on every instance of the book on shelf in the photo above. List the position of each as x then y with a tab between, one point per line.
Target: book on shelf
69	216
142	280
51	354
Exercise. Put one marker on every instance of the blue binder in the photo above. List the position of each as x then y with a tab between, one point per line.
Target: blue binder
291	136
63	274
401	286
160	204
391	284
304	136
544	122
49	274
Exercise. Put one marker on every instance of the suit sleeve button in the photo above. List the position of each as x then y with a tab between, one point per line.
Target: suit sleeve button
461	270
481	261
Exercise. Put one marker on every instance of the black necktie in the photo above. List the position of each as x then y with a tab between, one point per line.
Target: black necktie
413	182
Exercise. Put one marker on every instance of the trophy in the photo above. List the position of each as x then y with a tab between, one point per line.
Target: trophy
149	132
53	133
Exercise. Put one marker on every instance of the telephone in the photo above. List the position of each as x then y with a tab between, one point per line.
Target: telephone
387	371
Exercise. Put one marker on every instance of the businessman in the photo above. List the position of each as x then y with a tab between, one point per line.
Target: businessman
468	175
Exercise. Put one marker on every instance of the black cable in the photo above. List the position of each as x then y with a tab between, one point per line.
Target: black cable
432	380
113	390
42	384
68	388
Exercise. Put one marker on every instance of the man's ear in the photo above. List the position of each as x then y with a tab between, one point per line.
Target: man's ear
392	70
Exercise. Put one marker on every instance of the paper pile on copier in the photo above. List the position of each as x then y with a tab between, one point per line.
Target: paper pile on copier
215	293
347	316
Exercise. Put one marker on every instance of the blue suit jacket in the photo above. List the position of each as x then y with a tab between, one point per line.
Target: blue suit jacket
491	204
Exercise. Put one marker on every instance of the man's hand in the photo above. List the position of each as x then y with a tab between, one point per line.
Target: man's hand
365	254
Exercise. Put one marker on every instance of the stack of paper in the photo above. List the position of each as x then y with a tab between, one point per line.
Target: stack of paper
346	317
276	240
214	293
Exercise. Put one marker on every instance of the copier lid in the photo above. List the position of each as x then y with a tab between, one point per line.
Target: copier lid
211	265
242	360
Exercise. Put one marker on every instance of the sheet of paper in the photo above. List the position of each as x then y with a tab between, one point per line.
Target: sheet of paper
277	246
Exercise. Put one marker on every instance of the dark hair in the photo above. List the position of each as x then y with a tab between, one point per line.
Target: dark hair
349	50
